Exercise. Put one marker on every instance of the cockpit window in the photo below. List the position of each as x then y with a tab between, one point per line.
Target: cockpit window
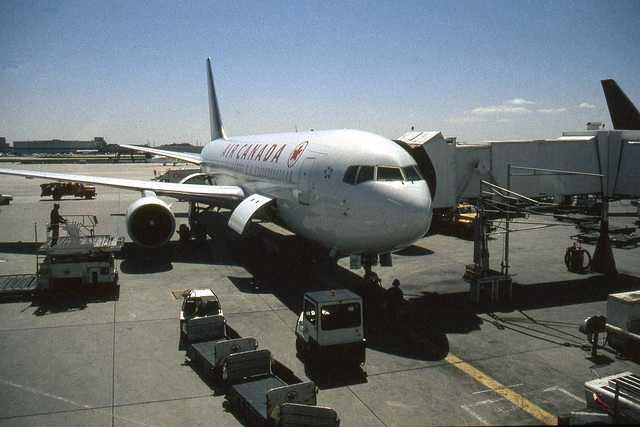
412	174
357	174
389	174
350	175
366	174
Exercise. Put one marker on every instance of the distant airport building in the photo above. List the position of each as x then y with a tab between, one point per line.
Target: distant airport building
4	147
57	146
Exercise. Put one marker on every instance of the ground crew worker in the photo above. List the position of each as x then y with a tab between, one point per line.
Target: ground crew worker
395	298
55	221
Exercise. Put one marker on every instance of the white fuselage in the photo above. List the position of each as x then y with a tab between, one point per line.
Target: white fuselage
305	173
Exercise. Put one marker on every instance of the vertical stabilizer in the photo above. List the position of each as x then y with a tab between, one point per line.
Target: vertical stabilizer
624	115
214	111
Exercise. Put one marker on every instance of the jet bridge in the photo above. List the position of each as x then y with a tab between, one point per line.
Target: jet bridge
604	163
612	157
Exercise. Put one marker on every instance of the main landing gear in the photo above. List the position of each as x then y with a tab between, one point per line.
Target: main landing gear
196	230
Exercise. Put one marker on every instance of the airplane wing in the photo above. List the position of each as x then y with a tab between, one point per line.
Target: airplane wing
207	194
185	157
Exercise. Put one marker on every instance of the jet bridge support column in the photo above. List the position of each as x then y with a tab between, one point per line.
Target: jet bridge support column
603	260
480	246
486	286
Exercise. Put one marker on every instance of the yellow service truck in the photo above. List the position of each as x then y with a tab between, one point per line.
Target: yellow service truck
59	189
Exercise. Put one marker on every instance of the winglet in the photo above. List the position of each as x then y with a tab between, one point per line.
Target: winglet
214	112
624	115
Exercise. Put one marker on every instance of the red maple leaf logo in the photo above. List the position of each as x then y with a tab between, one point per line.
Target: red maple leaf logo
292	396
296	153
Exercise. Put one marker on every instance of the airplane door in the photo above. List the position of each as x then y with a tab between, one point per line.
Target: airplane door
304	184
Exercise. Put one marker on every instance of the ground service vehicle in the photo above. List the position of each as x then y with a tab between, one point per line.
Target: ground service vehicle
77	262
59	189
460	220
204	329
259	396
623	323
465	216
330	328
201	316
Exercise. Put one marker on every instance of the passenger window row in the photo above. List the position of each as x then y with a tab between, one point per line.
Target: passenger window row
357	174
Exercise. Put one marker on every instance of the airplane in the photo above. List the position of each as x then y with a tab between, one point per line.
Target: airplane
624	115
350	191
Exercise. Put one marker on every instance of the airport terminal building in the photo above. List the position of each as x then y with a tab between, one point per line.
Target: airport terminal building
56	146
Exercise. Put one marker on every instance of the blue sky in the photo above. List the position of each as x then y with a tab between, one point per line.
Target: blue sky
134	71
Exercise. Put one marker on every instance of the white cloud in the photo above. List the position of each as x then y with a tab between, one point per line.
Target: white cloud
519	101
514	106
553	111
587	106
464	120
500	109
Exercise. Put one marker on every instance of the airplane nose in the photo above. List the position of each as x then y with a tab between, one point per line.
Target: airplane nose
408	213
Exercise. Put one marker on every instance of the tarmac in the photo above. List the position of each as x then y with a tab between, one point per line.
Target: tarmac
115	359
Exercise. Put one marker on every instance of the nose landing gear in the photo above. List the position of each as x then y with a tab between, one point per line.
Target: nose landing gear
370	289
370	277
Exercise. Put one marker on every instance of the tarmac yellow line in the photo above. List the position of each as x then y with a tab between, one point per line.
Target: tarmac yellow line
515	398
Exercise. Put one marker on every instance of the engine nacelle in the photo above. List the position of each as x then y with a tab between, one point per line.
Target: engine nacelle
150	222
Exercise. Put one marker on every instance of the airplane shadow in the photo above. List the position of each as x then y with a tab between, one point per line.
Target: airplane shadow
456	313
328	377
413	251
287	268
409	342
554	294
277	266
138	260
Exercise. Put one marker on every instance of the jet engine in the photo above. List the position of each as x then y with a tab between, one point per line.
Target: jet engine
150	222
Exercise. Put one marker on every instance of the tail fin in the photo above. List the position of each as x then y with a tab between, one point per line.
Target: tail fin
624	114
217	131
